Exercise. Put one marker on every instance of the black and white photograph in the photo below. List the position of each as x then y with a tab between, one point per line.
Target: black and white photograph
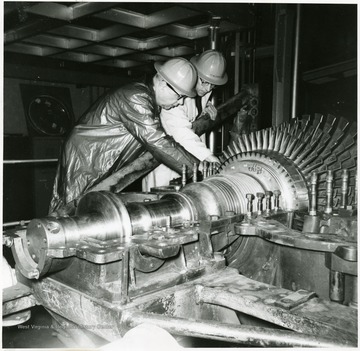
179	175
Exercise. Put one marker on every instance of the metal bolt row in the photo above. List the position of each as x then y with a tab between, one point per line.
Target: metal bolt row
260	197
208	169
330	191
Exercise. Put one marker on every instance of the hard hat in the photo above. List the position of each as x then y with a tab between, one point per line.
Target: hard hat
180	74
211	66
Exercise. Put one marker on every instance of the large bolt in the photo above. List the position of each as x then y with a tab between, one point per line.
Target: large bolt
260	197
268	195
183	178
249	198
344	188
211	168
205	170
277	194
313	194
329	191
195	173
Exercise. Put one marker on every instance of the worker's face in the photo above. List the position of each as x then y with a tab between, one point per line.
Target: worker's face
167	97
203	87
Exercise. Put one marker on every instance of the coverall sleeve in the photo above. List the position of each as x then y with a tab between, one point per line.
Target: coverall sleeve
138	115
176	123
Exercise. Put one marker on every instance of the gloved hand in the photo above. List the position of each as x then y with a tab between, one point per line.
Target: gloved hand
210	110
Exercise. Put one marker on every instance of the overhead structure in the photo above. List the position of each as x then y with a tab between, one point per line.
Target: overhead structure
108	36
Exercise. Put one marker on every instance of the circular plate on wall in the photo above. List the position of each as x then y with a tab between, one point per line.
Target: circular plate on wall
49	116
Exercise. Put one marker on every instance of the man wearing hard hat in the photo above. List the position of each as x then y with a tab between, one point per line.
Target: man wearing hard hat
120	127
177	122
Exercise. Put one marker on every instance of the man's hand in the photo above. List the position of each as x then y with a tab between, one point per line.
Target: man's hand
210	110
213	159
210	162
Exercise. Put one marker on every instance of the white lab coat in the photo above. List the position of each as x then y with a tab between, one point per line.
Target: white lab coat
177	122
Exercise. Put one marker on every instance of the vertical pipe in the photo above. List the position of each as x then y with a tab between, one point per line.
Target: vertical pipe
213	46
214	27
253	57
296	62
283	62
243	60
250	55
237	64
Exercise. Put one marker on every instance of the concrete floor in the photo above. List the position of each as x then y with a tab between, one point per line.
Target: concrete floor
39	332
35	333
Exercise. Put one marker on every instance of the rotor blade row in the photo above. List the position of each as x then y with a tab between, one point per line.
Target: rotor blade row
314	143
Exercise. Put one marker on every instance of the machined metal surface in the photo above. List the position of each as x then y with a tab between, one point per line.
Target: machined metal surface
185	304
273	173
279	210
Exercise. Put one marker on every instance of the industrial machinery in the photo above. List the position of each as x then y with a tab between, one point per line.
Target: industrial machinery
262	251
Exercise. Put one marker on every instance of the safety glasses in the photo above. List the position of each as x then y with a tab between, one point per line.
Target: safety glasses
177	94
204	82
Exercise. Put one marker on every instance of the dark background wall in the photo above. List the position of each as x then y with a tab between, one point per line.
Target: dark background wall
15	115
27	187
328	59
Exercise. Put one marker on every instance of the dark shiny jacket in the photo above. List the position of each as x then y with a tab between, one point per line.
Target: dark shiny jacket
116	130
